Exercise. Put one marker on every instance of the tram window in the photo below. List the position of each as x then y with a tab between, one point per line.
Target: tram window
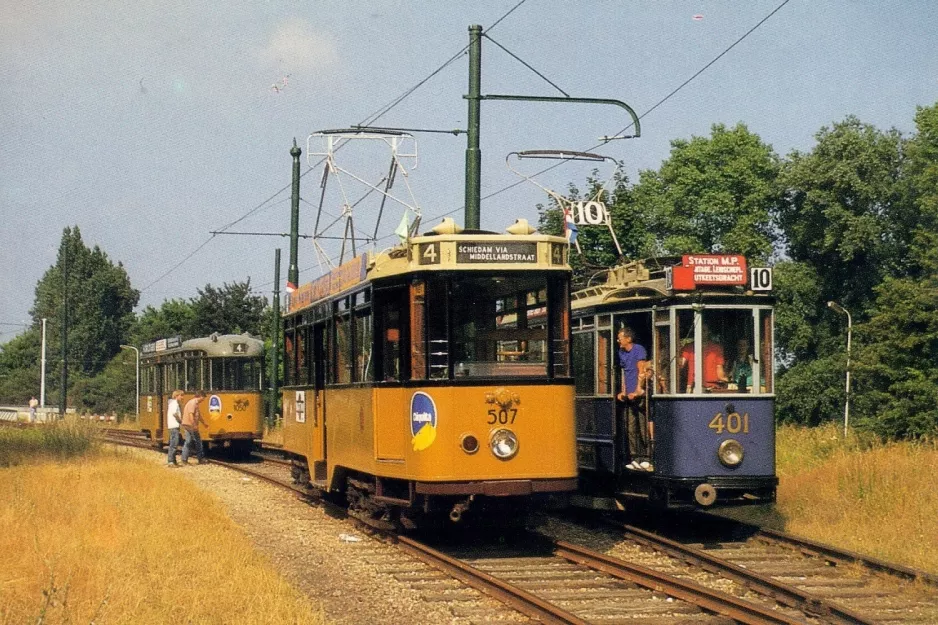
604	321
192	375
498	328
343	345
289	356
727	350
663	363
390	329
603	370
418	309
559	306
685	350
302	355
766	351
437	300
583	362
241	374
364	367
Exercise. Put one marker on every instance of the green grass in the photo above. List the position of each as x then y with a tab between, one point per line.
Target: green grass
57	441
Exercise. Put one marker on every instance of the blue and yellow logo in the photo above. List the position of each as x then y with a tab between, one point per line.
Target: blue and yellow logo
422	420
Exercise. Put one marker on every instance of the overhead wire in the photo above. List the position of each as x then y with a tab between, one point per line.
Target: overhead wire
367	121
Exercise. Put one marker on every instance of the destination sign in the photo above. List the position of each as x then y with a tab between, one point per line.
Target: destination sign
709	269
501	252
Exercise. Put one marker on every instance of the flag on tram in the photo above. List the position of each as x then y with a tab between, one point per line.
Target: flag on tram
569	226
290	287
403	230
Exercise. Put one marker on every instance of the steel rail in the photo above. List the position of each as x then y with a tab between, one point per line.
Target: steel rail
763	584
528	604
844	556
710	600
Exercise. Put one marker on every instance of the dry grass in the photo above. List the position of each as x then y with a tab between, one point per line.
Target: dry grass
877	499
114	539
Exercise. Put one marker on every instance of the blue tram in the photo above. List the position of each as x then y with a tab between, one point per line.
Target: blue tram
709	439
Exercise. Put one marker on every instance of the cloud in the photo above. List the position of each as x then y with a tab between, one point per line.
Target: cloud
297	47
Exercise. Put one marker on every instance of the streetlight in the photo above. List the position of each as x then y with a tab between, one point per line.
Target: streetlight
838	308
137	351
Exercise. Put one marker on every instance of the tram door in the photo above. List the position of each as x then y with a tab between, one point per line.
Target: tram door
318	378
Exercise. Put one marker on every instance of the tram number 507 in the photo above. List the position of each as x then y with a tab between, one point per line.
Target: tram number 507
734	423
503	416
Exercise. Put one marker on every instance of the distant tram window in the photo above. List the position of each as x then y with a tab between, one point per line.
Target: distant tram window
583	362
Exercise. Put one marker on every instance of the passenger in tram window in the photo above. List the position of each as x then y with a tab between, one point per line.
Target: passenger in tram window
742	366
633	361
713	364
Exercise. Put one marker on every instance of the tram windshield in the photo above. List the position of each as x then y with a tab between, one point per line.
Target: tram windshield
494	326
732	347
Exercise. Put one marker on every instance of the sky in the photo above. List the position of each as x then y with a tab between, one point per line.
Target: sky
149	125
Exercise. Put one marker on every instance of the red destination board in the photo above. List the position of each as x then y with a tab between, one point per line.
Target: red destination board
709	270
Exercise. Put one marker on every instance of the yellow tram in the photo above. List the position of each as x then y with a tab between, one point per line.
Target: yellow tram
228	367
432	381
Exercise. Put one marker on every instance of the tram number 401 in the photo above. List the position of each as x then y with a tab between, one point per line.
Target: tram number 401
734	423
503	416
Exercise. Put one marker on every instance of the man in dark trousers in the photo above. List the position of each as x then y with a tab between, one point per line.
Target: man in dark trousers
633	360
191	418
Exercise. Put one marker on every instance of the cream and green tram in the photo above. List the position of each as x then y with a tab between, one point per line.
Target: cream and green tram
432	381
228	367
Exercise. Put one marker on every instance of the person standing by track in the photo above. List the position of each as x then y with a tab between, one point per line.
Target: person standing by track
173	418
33	404
191	418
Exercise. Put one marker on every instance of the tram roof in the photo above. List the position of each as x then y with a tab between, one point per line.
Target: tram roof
647	280
214	345
469	251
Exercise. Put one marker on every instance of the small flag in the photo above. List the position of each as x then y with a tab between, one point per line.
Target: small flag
403	230
569	227
290	287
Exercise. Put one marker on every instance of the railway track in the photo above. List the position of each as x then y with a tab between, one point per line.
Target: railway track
765	578
824	583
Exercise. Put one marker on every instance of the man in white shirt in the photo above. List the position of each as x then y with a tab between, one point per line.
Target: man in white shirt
173	419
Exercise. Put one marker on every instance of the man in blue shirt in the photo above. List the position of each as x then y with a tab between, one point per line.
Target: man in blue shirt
633	360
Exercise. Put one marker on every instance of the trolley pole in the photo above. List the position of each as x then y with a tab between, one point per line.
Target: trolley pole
275	342
293	274
473	151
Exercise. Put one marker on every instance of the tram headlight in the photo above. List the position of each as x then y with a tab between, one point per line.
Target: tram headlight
504	444
730	453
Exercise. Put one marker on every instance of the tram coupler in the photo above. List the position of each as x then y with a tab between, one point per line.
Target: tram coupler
460	508
705	494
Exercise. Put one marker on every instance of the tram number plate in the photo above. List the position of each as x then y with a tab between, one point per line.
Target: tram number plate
734	423
503	416
428	253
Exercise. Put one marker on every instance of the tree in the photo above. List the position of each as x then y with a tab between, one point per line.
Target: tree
231	309
843	212
20	367
597	249
897	360
175	317
98	297
712	195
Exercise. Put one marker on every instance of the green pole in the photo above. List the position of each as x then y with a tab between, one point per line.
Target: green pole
63	394
275	343
473	153
293	274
